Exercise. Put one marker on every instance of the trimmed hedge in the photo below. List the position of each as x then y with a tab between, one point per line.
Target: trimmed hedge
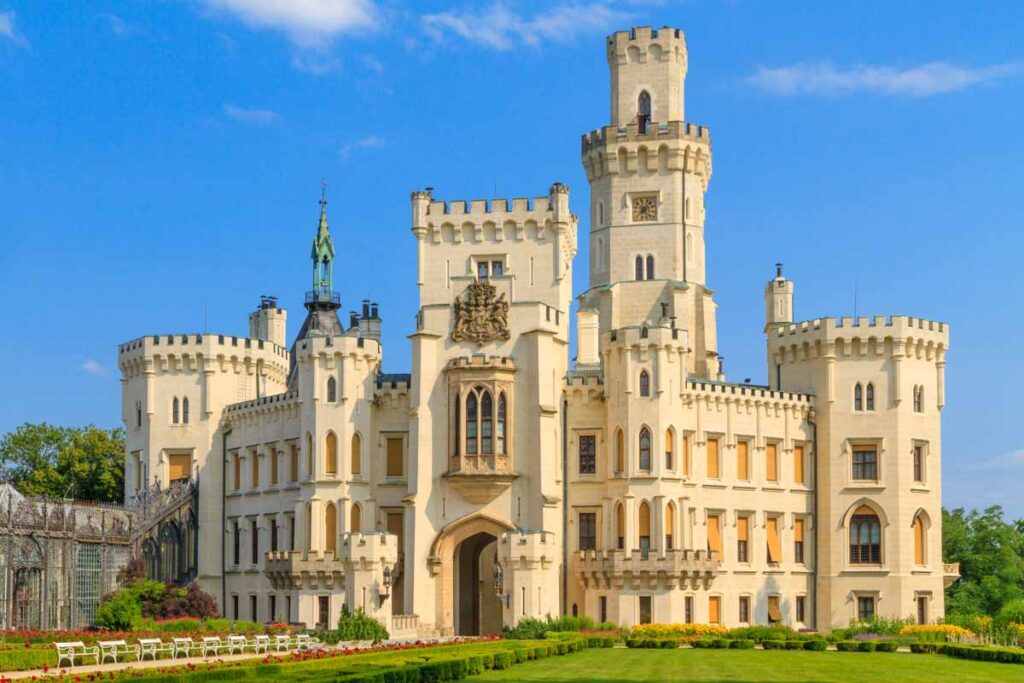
816	645
652	643
886	646
848	645
741	644
774	644
981	653
925	648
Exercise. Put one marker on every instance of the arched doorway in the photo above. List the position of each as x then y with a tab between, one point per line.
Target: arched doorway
462	561
478	610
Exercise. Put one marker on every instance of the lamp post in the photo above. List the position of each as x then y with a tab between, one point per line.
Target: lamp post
499	583
387	585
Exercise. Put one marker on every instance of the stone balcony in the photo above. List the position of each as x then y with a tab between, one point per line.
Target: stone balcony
950	573
480	478
652	569
294	569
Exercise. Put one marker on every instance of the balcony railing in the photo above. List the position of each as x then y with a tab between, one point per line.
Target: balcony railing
404	622
318	296
950	573
672	567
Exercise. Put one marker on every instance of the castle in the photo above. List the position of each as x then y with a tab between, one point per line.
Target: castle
499	481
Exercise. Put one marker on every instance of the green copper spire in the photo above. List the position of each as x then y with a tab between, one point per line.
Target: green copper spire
323	257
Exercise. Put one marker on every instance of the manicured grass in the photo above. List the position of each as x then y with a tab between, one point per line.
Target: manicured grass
741	666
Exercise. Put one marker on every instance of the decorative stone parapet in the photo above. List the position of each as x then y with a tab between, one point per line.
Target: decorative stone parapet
653	569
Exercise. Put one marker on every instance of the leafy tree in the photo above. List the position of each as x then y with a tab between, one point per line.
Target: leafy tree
65	462
990	551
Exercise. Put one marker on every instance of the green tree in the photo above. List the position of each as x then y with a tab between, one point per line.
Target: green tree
990	551
65	462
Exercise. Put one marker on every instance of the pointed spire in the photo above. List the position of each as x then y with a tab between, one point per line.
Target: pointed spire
323	229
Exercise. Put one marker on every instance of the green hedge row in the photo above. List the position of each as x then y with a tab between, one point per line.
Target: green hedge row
817	644
978	653
867	646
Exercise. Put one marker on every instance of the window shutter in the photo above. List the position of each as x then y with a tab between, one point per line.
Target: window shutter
714	609
743	529
773	608
238	471
712	448
772	465
798	531
394	465
918	541
798	465
742	460
714	534
774	547
179	466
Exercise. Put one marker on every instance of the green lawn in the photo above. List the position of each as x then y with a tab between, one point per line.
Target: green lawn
740	666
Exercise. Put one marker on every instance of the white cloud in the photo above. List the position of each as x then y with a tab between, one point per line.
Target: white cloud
501	28
373	64
315	61
8	31
932	78
119	26
260	116
94	368
307	23
369	142
972	482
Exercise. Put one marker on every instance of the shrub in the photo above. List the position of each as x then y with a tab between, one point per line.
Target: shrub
886	646
866	646
1003	655
847	645
526	629
360	626
687	631
774	644
938	633
120	611
794	645
1011	613
502	660
763	633
925	648
718	643
816	644
741	644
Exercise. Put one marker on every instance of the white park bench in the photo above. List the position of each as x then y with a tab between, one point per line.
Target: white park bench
282	643
69	651
154	647
112	649
212	644
236	644
302	641
260	644
183	646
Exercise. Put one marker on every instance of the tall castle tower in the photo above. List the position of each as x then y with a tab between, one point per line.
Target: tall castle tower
648	172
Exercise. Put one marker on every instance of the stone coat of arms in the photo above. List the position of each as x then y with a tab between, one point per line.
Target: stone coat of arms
482	316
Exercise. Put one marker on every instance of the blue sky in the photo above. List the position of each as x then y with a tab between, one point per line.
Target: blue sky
160	164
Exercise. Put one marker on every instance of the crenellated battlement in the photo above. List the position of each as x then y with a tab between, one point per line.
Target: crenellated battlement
646	335
698	387
170	343
286	400
343	345
480	361
607	136
183	353
644	43
663	147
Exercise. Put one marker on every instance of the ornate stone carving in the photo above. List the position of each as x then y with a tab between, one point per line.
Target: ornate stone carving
482	316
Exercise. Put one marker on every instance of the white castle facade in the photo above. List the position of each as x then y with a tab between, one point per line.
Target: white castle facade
498	480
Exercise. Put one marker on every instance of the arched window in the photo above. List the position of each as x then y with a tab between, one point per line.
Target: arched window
330	528
645	450
865	537
357	454
486	424
310	474
620	527
645	383
174	411
356	524
639	267
650	267
858	397
670	525
620	452
870	397
643	111
331	454
502	412
332	390
670	447
600	213
184	410
471	424
918	399
458	424
191	540
644	529
138	414
920	554
169	555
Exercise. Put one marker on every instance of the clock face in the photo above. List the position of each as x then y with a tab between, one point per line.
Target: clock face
645	209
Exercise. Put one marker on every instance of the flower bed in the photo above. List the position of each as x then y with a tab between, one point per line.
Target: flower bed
679	631
939	633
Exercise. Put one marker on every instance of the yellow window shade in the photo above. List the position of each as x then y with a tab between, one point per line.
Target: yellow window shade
743	529
331	528
331	454
293	471
714	610
644	520
713	458
773	608
686	455
774	546
395	460
743	460
356	520
772	462
798	531
918	541
668	441
714	534
396	526
357	454
179	466
255	460
798	465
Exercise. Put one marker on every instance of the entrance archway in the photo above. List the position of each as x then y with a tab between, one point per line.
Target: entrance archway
462	561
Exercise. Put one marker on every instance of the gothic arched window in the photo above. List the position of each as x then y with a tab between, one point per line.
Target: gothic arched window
870	400
643	111
471	424
357	454
644	528
645	450
332	390
331	454
650	267
356	521
184	410
858	397
175	411
330	528
645	383
620	452
502	417
458	423
486	424
865	537
639	267
620	527
670	447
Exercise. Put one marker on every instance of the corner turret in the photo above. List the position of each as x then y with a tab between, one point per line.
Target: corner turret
778	301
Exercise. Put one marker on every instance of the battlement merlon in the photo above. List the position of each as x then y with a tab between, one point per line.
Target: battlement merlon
914	335
199	353
685	146
670	43
428	211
